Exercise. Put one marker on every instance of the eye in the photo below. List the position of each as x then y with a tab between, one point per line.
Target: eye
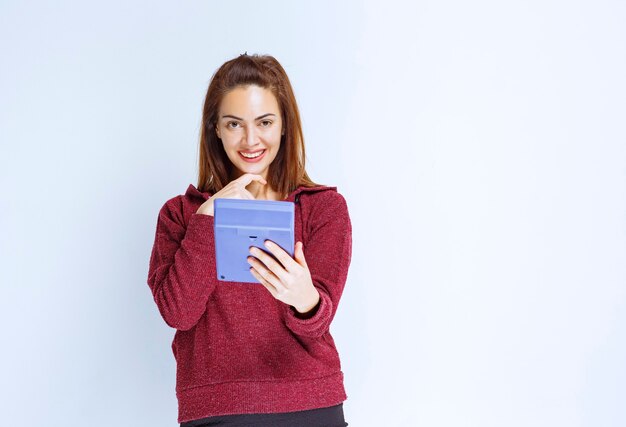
230	123
269	122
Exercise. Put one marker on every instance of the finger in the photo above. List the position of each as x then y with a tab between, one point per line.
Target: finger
247	178
234	191
282	256
244	183
238	191
299	254
269	262
264	282
267	274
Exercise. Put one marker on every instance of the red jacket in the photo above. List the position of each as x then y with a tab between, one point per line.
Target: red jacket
239	350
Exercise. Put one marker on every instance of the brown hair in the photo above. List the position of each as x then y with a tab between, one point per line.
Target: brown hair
287	171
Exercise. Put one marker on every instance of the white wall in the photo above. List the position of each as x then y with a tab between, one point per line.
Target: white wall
481	147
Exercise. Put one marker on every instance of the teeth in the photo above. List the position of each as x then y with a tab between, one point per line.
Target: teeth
252	156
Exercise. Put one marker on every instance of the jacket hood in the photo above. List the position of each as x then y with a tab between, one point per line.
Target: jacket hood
192	191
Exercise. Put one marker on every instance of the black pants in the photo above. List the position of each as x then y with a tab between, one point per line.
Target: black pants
322	417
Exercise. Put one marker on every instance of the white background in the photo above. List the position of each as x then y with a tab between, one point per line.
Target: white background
481	147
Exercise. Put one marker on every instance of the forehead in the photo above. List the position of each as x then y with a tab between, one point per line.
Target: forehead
249	100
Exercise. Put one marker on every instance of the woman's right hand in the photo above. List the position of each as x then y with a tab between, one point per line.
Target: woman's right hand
235	189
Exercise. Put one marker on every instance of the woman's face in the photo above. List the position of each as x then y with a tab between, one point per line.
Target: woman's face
249	123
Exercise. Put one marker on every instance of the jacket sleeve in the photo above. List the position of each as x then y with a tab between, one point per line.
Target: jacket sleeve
328	253
182	271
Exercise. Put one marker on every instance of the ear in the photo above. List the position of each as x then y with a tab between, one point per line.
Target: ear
217	131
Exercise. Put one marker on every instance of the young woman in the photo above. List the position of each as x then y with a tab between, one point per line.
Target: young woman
253	354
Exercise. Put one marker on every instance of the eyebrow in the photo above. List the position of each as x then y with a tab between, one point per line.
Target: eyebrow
239	118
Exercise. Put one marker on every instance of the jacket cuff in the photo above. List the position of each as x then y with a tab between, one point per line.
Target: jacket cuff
314	326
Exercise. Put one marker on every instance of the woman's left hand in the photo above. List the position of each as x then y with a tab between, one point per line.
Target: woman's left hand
290	284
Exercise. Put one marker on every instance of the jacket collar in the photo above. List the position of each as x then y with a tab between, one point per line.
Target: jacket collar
192	191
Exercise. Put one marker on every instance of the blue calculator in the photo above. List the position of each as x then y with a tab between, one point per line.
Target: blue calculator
241	223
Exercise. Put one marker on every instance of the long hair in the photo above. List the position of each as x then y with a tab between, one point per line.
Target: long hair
287	171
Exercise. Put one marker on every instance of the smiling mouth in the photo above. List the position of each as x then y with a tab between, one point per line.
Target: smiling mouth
252	155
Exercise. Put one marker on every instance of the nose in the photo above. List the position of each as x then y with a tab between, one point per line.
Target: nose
250	136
